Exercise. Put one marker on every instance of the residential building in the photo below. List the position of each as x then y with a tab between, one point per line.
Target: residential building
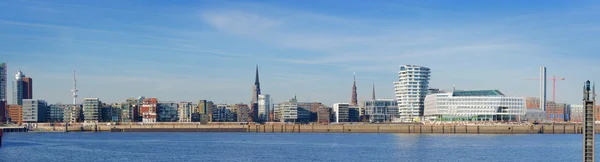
56	113
34	111
149	108
224	113
116	112
73	113
304	112
380	110
91	110
264	107
473	105
576	113
243	112
15	113
205	108
289	110
411	89
557	112
185	111
167	112
22	88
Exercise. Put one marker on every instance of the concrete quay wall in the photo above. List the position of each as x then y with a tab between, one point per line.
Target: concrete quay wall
360	128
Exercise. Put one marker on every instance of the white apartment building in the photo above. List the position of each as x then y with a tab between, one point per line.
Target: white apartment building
185	111
342	112
477	105
411	89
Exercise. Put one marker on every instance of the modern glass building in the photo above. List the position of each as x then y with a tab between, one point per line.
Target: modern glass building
411	89
167	112
264	107
34	111
3	82
91	110
289	110
477	105
56	113
380	110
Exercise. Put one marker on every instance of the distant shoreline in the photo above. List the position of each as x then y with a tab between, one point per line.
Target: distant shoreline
357	128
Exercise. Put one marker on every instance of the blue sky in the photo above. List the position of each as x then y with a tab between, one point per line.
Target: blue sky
191	50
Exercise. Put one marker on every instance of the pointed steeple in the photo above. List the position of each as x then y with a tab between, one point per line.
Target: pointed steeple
373	92
354	100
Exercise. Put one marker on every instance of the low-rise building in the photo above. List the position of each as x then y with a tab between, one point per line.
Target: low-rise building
15	113
56	113
34	111
72	113
342	112
474	105
576	113
380	110
243	112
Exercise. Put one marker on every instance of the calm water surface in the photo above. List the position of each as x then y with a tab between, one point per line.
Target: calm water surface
286	147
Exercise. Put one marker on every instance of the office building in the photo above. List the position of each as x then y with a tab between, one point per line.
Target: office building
15	113
107	113
22	88
56	113
3	82
205	108
289	110
3	93
224	113
3	111
91	110
576	113
324	115
34	111
473	105
149	107
342	111
167	111
411	89
264	107
557	112
276	113
185	110
380	110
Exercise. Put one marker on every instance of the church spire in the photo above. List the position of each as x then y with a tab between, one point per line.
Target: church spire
354	96
373	92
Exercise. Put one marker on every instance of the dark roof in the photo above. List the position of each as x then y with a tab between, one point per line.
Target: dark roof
477	93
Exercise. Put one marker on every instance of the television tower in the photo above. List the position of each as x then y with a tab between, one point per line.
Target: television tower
74	87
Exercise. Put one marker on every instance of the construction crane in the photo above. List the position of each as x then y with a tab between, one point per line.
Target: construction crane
554	79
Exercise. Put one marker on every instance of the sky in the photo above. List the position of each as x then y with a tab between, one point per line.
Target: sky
191	50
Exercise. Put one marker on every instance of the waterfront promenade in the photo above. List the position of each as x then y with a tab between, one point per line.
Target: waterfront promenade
420	128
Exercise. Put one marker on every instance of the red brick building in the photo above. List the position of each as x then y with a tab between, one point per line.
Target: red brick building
148	110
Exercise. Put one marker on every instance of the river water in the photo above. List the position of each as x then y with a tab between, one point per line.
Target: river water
302	147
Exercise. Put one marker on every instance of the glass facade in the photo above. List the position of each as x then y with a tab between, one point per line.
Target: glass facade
446	106
91	110
380	110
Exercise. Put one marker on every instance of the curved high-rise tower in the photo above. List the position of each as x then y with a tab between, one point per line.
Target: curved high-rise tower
411	89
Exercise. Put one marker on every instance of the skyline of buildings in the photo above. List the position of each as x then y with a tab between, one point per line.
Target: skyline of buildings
415	101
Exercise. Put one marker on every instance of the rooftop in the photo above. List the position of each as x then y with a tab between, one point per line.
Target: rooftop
477	93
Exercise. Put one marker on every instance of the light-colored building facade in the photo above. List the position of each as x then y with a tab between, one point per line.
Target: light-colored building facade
576	113
91	110
411	89
185	111
289	110
264	107
477	105
34	111
342	112
22	88
380	110
73	113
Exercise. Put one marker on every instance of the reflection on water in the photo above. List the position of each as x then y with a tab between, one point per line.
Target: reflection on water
286	147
